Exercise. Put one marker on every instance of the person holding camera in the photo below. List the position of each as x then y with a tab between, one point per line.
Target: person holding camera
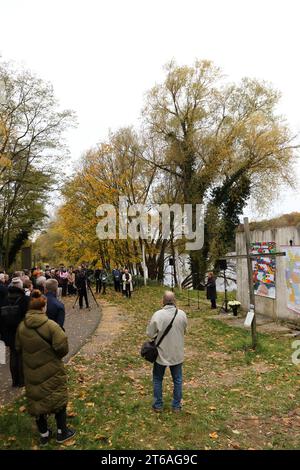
81	285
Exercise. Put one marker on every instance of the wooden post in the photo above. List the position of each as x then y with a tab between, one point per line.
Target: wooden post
177	268
250	280
144	264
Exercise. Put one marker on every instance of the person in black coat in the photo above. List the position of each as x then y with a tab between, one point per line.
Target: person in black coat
16	298
117	279
98	280
3	298
211	290
81	284
3	291
55	308
103	279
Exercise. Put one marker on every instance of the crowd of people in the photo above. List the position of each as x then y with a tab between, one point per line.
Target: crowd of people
32	327
32	318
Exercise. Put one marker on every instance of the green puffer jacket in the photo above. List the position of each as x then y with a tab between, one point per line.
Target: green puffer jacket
44	372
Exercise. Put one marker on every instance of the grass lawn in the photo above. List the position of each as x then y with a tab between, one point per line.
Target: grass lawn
234	398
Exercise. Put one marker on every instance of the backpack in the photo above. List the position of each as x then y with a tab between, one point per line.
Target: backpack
10	316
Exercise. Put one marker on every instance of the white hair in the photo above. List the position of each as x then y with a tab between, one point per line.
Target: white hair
169	298
16	282
52	285
41	280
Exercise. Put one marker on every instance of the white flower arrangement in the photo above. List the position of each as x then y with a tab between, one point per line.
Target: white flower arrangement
234	303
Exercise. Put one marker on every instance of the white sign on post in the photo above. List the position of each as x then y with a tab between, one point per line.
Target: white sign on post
2	352
249	318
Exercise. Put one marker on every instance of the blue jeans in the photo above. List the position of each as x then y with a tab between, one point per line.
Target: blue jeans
158	375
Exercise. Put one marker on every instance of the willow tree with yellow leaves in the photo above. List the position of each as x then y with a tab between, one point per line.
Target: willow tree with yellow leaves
220	144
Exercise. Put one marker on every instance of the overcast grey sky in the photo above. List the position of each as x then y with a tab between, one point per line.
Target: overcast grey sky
102	56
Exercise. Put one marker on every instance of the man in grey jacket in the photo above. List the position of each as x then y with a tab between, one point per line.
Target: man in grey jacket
170	351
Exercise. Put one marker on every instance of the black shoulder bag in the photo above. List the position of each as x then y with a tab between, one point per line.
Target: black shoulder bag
149	349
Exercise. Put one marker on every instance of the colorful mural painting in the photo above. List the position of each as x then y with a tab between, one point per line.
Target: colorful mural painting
264	269
292	275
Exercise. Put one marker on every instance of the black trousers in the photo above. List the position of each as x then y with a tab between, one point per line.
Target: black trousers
64	289
98	286
16	367
128	291
117	284
213	303
71	289
83	293
61	421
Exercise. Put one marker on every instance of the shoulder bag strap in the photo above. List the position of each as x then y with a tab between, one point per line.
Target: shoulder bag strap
40	335
43	337
167	329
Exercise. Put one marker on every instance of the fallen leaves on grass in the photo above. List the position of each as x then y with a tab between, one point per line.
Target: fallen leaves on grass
69	443
101	437
214	435
295	412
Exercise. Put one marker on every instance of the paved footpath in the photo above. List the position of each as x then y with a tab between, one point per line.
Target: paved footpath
79	326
